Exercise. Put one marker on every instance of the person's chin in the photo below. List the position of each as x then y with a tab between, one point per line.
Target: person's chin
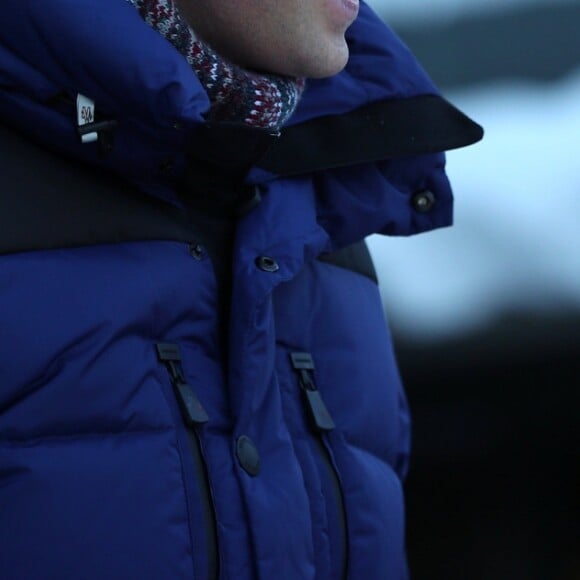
330	63
317	62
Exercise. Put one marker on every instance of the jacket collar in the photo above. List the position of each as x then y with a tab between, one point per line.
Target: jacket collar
159	107
102	49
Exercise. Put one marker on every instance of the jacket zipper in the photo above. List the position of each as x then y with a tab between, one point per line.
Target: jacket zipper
321	423
194	417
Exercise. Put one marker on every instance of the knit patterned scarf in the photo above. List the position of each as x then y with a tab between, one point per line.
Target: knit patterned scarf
236	94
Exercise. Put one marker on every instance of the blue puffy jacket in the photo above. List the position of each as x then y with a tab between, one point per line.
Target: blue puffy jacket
150	427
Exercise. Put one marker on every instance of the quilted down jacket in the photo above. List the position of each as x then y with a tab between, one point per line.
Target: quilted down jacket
196	375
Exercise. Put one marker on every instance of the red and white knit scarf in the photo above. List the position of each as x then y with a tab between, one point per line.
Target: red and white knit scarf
236	94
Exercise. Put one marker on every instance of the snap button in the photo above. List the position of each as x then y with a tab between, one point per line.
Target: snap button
248	455
267	264
197	251
423	201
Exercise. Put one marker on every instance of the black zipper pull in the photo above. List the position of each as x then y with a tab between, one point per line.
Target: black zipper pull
191	407
303	364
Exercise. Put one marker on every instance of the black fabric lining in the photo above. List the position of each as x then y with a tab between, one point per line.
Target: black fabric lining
49	202
356	258
425	124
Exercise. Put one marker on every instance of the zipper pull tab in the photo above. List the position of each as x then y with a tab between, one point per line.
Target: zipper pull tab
303	364
190	405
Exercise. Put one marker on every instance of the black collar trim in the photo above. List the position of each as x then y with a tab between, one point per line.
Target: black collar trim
383	130
49	202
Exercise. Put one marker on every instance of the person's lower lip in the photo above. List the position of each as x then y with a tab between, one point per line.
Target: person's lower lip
351	6
347	10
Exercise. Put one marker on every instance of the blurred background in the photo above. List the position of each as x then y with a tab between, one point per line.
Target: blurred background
486	314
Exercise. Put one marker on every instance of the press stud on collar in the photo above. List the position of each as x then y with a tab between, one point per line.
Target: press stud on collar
267	264
423	201
197	251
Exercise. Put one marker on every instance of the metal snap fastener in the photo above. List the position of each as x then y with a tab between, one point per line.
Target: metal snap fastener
267	264
423	201
248	455
197	251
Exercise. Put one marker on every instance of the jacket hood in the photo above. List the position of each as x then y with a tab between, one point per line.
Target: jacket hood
102	49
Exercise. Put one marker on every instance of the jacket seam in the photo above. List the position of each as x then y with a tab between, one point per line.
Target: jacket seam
35	441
